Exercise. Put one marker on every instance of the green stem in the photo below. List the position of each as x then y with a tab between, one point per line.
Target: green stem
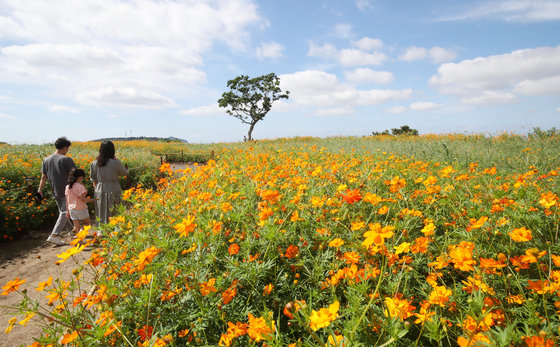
370	300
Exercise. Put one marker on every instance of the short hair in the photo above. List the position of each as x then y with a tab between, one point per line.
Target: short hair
62	142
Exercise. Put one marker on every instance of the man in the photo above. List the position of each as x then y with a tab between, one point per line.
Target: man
55	169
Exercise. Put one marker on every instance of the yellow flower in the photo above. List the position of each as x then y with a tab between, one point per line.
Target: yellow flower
186	226
12	286
376	234
70	252
336	243
402	248
258	329
521	234
323	317
27	318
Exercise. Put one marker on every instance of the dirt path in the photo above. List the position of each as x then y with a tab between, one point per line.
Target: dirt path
32	259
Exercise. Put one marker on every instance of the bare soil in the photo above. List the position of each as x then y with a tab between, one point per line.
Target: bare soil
33	259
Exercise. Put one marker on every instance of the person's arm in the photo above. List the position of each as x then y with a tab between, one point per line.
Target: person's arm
121	169
42	184
66	193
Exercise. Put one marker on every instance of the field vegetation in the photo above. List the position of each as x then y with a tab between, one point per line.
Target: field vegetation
382	240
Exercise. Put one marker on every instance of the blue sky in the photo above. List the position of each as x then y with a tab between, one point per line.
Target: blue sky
89	69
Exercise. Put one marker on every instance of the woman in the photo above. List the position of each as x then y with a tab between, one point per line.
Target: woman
105	172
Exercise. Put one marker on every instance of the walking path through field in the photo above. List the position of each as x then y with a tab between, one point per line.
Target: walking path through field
33	259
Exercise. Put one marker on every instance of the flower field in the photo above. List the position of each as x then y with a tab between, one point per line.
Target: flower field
449	240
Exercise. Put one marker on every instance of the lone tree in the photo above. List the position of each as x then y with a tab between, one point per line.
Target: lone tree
250	99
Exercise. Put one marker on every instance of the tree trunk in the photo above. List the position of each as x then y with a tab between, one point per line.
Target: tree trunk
251	127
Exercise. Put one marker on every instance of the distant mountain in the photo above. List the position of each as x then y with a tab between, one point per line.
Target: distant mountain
146	138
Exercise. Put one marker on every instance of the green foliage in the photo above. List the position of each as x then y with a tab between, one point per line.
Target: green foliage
250	99
537	133
403	130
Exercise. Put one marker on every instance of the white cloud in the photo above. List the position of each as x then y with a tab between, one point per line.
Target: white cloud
424	106
209	110
490	98
325	51
558	109
395	109
435	54
361	75
343	31
499	78
513	10
128	97
364	5
368	44
414	53
318	88
349	56
152	47
63	109
355	57
270	50
337	111
543	86
4	115
441	55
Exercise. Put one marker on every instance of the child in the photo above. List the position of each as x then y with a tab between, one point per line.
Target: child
76	199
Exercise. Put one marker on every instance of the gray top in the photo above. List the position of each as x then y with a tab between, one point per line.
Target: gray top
56	167
107	176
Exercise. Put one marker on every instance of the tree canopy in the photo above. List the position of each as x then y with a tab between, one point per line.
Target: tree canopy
250	99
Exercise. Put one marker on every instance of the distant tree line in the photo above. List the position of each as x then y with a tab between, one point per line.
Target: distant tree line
403	130
145	138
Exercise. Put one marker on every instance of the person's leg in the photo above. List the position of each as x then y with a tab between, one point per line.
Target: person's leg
76	226
62	220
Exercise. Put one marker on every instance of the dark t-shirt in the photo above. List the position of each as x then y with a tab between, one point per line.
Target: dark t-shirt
56	167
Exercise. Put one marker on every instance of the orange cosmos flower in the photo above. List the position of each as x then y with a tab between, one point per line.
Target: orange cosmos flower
69	337
12	286
186	226
268	289
377	235
461	256
440	296
229	294
291	251
145	332
233	249
292	307
472	340
44	284
424	315
537	341
395	184
548	200
351	257
351	196
521	235
145	257
372	198
383	210
477	223
398	308
208	287
258	329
